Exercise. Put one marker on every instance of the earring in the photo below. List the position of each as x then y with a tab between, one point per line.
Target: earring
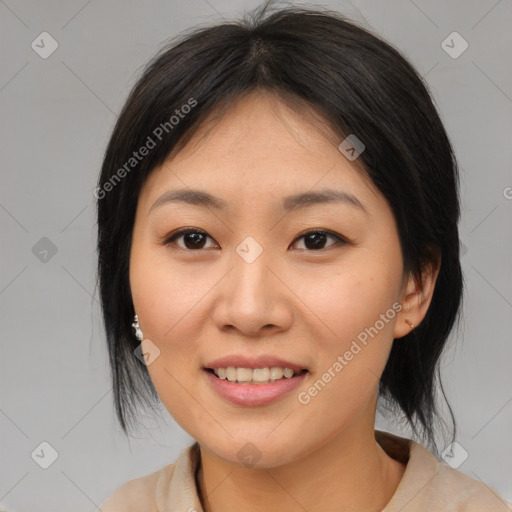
136	326
410	324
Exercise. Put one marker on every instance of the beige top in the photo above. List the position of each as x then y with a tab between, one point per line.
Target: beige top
427	485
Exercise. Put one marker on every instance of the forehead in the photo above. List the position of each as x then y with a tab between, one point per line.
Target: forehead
258	120
256	148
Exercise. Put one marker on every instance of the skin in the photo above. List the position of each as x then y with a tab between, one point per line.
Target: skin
302	304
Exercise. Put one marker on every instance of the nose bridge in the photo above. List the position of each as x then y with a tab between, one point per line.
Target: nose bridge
253	298
253	285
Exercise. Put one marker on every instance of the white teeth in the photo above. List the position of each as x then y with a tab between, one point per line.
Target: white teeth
261	374
254	376
276	372
243	374
288	373
231	373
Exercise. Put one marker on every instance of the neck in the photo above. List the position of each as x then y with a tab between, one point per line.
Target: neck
349	473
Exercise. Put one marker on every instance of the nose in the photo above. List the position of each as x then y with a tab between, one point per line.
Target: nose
252	299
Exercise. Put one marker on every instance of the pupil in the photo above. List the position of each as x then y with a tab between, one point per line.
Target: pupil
195	238
318	240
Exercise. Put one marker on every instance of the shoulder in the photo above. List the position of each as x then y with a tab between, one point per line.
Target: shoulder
464	493
429	484
139	494
439	487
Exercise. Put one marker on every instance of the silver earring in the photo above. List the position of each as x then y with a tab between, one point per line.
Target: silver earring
136	326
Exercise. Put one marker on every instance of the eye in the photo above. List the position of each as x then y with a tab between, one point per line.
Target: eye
315	240
193	239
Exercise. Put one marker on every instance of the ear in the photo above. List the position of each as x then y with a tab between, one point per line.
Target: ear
417	294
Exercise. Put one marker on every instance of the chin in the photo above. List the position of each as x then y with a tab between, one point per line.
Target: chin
257	452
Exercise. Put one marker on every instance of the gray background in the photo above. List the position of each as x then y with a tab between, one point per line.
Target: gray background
57	115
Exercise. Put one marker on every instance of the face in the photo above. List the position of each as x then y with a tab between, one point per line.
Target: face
258	280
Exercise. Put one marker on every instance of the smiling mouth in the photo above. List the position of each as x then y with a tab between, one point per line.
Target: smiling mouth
268	375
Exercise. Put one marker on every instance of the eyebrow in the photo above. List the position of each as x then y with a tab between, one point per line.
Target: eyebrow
301	200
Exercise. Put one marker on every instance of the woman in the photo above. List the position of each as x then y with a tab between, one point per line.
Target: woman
278	248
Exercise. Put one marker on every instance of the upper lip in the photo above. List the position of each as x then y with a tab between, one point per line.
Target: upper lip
241	361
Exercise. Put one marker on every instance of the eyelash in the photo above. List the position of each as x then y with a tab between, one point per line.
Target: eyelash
169	240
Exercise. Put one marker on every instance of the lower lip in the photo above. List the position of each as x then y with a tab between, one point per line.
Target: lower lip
254	394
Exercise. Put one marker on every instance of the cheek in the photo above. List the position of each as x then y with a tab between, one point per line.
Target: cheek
168	301
167	298
166	295
358	308
352	298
